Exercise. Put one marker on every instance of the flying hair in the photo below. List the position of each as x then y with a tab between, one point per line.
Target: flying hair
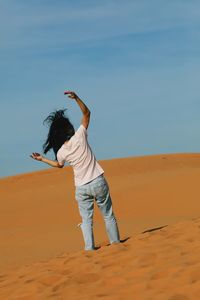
60	130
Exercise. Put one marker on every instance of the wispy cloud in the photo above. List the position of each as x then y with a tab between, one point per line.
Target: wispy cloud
35	24
139	59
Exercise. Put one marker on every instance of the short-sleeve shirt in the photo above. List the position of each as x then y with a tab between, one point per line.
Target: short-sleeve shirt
78	154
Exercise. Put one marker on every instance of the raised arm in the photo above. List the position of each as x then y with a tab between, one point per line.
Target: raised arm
85	110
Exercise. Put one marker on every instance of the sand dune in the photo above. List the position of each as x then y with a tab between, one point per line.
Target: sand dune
41	247
161	264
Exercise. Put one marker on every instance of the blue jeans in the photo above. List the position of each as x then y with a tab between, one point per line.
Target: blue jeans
96	189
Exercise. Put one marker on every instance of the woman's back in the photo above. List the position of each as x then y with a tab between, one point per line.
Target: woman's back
79	155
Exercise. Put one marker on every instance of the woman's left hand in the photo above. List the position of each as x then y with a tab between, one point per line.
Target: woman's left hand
72	95
36	156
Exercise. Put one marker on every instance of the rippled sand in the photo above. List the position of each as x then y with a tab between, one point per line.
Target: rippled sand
156	201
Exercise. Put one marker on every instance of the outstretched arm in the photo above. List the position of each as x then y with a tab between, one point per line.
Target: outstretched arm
52	163
85	110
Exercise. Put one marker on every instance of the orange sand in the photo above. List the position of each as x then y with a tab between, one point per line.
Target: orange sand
41	247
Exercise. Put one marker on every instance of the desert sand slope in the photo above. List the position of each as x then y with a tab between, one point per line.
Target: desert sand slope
162	264
38	218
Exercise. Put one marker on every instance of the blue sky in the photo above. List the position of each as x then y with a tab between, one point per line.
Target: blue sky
135	63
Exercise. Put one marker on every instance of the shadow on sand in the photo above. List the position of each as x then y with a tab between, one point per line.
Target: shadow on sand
124	240
154	229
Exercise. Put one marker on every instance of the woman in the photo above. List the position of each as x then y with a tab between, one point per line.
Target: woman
72	146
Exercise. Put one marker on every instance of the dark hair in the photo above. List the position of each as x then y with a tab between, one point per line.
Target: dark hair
60	131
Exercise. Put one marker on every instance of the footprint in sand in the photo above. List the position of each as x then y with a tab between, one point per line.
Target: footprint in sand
160	275
190	240
2	280
50	280
86	278
179	297
101	295
147	260
22	276
66	272
194	276
29	280
59	286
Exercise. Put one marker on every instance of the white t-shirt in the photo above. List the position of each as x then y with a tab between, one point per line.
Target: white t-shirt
78	154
